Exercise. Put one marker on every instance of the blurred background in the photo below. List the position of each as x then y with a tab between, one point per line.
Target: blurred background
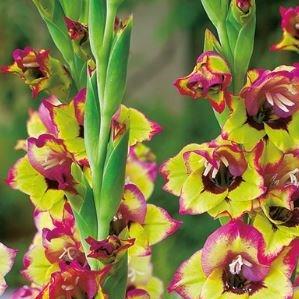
167	38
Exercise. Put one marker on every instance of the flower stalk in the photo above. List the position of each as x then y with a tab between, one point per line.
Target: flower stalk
82	154
248	176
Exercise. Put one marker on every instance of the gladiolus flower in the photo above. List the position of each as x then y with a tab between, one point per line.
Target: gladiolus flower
108	250
147	224
40	71
290	27
213	177
210	80
232	264
268	108
280	222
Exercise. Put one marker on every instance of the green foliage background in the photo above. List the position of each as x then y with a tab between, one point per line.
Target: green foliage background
190	121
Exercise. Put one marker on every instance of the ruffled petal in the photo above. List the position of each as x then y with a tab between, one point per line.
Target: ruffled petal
7	257
175	171
189	278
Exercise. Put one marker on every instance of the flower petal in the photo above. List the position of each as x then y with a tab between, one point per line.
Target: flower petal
233	238
7	257
158	224
194	199
133	205
175	171
189	278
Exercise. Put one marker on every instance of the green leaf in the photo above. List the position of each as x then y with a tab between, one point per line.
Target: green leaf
116	284
71	9
211	43
216	10
112	184
96	25
84	213
117	70
92	121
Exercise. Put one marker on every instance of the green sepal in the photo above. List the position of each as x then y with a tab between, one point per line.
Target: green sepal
117	69
72	10
243	51
53	14
233	28
112	184
96	25
115	3
224	220
84	213
240	16
92	121
216	10
116	284
211	43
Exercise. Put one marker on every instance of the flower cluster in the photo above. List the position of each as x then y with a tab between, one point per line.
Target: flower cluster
249	174
56	263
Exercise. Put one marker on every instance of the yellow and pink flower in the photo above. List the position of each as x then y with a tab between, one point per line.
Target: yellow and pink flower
215	177
40	71
233	264
268	107
210	80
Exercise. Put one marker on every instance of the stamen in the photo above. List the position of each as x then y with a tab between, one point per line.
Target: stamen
284	100
224	160
67	288
293	177
297	26
31	64
208	168
281	105
214	173
235	267
269	98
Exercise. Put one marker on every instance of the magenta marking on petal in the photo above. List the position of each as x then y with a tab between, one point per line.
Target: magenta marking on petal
176	286
135	293
79	100
46	114
235	229
11	177
134	215
175	224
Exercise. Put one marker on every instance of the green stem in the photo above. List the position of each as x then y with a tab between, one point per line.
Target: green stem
99	171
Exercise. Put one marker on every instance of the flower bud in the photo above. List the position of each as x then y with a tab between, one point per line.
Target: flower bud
242	10
209	80
117	68
109	249
78	32
244	5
